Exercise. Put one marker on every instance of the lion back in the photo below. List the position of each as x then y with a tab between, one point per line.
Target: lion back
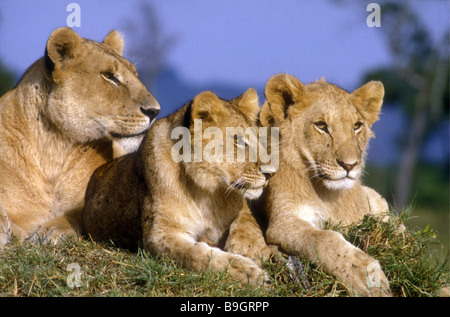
111	210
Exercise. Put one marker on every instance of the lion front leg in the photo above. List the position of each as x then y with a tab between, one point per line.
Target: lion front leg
5	227
329	250
246	238
199	256
9	229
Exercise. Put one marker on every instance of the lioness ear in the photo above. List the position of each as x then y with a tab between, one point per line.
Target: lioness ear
114	40
369	99
207	106
282	91
63	44
248	104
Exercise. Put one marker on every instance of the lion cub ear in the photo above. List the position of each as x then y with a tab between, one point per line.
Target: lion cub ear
63	44
368	100
208	107
114	40
282	91
248	103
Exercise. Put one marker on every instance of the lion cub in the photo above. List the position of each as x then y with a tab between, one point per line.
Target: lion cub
324	132
174	202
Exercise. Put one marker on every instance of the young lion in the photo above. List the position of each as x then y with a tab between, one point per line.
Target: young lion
57	127
324	132
183	208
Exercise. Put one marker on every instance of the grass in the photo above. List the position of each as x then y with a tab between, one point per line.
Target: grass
103	270
411	265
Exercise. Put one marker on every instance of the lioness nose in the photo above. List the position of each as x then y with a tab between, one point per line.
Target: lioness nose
150	112
148	104
347	165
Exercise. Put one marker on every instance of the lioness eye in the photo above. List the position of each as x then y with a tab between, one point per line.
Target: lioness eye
321	125
357	126
110	77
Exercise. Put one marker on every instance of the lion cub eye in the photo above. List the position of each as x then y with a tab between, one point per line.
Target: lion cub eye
321	126
111	78
357	126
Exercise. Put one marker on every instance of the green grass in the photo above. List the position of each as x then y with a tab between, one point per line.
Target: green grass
104	270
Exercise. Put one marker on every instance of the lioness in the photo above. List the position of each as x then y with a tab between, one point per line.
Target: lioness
324	132
57	127
182	208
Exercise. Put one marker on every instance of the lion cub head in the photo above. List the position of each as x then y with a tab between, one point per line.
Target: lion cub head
223	141
95	93
323	126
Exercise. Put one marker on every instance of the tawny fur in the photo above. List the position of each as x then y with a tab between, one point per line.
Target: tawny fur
57	126
183	210
324	132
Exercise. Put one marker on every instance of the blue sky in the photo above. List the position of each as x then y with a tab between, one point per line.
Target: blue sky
234	41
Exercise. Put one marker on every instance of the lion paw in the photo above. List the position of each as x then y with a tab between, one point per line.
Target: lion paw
247	272
377	283
51	234
366	278
252	250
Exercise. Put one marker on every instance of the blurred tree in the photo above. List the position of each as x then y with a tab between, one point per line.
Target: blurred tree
149	45
418	80
6	79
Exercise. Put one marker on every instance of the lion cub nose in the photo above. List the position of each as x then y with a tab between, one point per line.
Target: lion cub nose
267	171
348	166
267	175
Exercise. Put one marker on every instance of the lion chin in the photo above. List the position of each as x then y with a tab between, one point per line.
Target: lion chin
253	193
339	184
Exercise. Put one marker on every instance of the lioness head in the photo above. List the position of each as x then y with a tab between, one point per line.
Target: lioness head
95	92
224	140
323	126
